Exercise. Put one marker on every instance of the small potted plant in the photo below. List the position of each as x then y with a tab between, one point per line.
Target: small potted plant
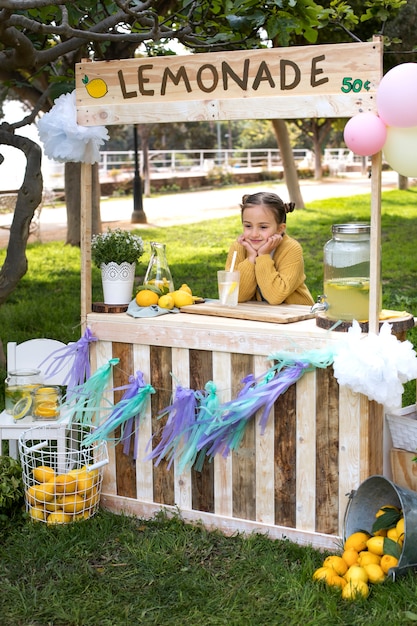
116	253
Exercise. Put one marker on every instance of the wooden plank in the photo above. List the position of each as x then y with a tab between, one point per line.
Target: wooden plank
101	353
223	478
264	455
85	241
144	470
285	454
257	311
201	371
306	452
244	464
304	81
349	446
404	468
161	366
181	377
327	462
227	525
125	463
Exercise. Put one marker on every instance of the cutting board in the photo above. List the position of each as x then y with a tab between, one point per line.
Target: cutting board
256	311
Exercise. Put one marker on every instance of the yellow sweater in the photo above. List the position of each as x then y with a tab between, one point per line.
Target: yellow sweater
277	280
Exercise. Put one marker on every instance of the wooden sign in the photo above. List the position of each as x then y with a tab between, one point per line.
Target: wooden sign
337	80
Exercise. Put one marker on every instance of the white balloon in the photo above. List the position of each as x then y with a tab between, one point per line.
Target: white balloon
400	150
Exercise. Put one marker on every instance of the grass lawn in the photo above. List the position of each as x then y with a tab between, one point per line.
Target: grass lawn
121	571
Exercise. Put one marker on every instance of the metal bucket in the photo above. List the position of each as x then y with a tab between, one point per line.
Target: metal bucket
370	496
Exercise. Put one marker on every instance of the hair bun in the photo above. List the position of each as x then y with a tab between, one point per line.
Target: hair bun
289	207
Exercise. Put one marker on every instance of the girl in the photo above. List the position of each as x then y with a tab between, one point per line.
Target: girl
270	263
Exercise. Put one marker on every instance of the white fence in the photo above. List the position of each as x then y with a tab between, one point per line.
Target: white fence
177	162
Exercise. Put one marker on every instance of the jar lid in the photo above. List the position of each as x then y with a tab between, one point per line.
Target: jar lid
28	372
351	229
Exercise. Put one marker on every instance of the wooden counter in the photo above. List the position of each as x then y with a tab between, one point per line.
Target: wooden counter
320	443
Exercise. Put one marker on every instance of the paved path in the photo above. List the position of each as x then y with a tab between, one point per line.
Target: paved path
186	208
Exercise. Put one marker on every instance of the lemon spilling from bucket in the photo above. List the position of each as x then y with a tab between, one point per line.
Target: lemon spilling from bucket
367	557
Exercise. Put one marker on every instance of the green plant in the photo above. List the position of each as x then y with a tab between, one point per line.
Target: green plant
11	488
116	245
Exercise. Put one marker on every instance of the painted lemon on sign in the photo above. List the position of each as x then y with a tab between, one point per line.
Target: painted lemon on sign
96	88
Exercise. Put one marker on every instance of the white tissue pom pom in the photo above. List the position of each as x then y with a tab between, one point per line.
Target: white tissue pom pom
65	140
375	365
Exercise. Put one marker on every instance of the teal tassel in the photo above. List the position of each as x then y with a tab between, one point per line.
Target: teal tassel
89	396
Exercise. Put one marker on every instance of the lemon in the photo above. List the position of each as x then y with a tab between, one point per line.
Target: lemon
350	557
368	558
336	563
392	534
355	590
85	482
400	527
355	573
72	503
381	511
375	573
146	297
43	473
59	517
22	407
376	545
357	541
65	483
44	492
46	409
322	573
185	287
37	514
182	298
166	302
388	561
336	581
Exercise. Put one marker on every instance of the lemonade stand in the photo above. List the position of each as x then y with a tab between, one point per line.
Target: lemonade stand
290	474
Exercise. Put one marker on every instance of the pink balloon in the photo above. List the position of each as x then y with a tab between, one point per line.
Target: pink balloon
365	134
396	96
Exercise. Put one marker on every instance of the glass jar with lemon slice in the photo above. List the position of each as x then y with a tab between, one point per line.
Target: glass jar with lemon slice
346	272
46	403
18	388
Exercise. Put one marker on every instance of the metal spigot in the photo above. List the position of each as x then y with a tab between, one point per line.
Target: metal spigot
320	305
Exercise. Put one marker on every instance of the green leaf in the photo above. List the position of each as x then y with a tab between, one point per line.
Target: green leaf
387	520
392	548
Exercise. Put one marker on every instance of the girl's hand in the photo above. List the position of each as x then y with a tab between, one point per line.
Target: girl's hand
271	243
252	253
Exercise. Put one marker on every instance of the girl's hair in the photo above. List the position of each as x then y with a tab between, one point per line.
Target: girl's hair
271	201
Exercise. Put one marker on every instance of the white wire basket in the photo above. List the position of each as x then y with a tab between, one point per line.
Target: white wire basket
62	477
403	428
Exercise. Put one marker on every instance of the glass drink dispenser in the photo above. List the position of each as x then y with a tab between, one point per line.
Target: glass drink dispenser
346	272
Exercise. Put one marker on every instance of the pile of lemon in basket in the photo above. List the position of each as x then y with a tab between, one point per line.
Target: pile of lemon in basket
366	557
62	498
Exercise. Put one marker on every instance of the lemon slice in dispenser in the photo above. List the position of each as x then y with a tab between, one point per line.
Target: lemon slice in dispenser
22	407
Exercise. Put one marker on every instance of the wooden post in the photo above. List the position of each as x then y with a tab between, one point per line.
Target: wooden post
86	222
375	252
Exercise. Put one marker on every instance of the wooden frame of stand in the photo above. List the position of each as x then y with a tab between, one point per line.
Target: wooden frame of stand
311	81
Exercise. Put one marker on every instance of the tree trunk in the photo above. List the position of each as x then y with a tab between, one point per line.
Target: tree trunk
402	182
73	202
290	170
29	198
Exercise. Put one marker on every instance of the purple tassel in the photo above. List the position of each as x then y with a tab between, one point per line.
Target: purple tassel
80	353
226	433
178	427
125	413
